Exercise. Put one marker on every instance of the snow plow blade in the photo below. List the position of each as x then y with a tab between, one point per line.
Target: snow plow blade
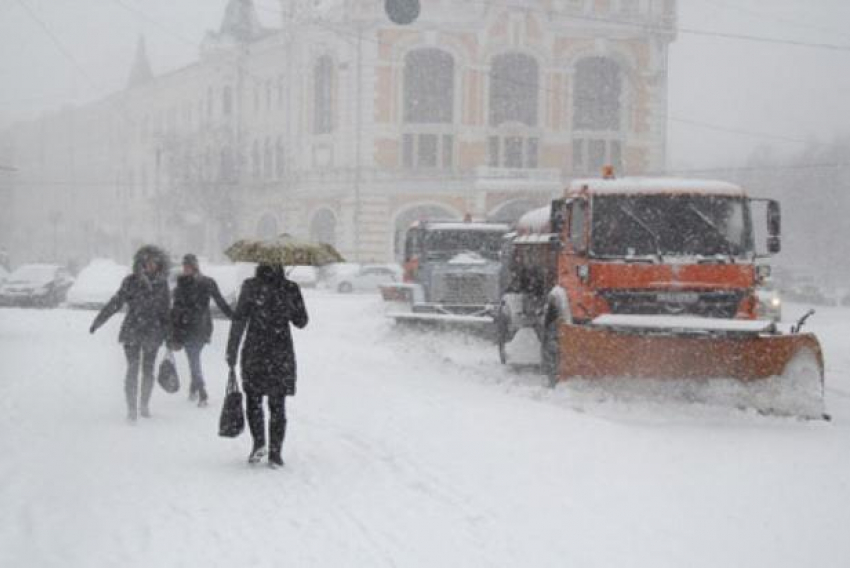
690	348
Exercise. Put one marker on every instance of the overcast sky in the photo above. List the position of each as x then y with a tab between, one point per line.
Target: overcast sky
779	93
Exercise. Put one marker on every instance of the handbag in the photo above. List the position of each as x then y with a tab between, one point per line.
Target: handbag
231	423
167	376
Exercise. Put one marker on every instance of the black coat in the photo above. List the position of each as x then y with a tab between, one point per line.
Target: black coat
147	301
191	320
268	303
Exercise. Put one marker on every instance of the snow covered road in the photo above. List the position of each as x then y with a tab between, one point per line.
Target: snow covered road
404	449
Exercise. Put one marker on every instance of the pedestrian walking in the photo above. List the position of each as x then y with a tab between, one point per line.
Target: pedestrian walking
145	327
191	321
267	304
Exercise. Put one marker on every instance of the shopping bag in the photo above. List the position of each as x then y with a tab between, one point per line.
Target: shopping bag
232	419
167	376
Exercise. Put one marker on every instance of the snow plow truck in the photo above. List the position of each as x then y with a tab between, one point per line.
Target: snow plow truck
650	278
451	274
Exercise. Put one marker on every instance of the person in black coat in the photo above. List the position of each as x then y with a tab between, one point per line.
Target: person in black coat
191	322
145	327
267	304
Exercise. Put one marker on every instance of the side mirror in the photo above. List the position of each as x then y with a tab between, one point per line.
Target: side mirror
774	227
774	219
774	245
578	223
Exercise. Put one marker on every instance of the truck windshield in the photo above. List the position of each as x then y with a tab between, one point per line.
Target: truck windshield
670	225
444	244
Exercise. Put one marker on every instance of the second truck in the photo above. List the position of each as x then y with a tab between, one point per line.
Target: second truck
451	274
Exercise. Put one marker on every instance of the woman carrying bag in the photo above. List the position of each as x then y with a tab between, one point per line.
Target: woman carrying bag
267	304
145	327
191	321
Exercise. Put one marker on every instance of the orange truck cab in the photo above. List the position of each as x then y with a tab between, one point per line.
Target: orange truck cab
636	258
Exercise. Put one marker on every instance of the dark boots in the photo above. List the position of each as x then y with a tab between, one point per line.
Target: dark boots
139	358
275	460
277	427
203	398
257	454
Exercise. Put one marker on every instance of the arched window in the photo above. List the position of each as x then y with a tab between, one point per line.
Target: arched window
597	115
323	227
268	94
514	90
146	124
280	158
596	98
268	157
323	107
227	101
428	87
256	165
227	165
206	168
429	79
514	95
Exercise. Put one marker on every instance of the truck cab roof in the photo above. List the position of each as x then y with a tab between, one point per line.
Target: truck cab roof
463	226
649	186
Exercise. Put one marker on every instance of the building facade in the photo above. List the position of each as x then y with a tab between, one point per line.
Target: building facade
341	127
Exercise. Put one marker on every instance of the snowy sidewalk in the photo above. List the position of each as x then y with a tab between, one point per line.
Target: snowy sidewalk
403	450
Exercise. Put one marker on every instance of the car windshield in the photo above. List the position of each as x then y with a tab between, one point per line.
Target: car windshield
35	274
444	244
670	225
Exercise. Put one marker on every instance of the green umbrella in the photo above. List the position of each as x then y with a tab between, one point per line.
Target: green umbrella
285	250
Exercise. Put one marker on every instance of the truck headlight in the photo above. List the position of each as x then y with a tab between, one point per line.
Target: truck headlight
775	301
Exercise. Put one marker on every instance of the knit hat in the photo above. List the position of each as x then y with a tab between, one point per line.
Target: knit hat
191	260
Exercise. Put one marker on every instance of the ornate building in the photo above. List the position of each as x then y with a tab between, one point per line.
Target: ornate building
342	127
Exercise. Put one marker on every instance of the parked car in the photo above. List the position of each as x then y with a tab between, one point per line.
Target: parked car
36	285
96	284
347	278
769	302
304	276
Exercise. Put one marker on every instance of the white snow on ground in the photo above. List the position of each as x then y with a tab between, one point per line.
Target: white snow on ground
405	449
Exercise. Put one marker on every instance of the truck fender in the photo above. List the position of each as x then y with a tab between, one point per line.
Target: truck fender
557	306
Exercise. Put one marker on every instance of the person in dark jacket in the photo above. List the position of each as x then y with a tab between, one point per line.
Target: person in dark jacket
267	304
191	322
145	327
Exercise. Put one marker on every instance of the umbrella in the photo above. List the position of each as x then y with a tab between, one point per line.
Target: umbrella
285	250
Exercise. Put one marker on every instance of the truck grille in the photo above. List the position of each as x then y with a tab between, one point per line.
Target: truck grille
703	304
464	289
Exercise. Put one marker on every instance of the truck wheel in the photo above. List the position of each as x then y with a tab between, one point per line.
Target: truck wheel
345	288
550	353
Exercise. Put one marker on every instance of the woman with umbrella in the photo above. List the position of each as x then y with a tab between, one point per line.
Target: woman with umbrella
267	304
